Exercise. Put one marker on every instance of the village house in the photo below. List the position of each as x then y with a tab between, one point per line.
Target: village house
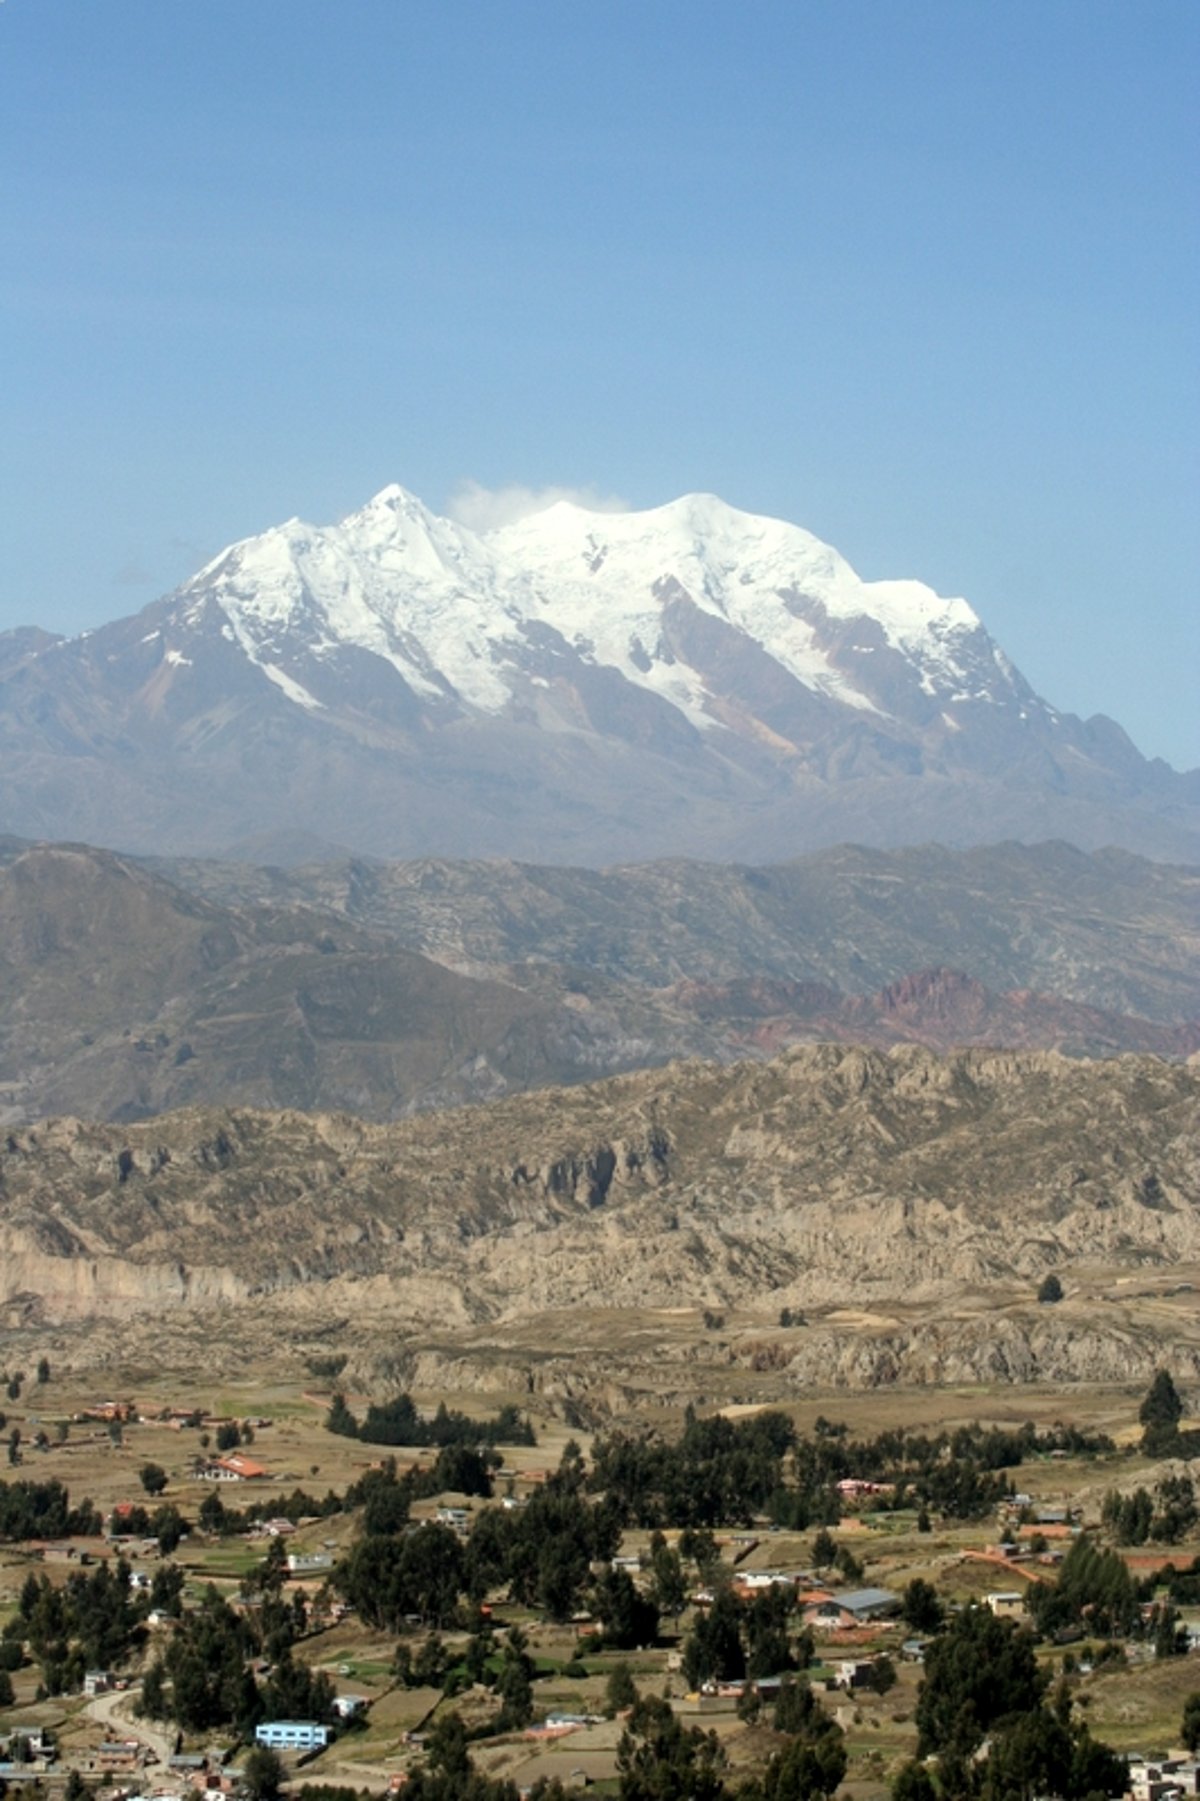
1006	1604
750	1582
118	1755
33	1743
236	1467
120	1412
855	1672
1157	1778
851	1607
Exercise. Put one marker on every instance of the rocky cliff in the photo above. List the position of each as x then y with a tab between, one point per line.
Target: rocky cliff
898	1210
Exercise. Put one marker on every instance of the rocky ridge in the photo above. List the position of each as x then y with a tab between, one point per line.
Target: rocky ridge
898	1210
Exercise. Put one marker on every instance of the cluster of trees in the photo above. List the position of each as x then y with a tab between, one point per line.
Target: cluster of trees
540	1552
734	1640
203	1676
1167	1515
1093	1584
397	1422
982	1681
720	1470
43	1510
717	1470
1095	1589
1183	1586
93	1621
503	1666
449	1775
216	1517
659	1758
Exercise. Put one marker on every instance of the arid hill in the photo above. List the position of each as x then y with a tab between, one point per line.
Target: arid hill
833	1216
128	990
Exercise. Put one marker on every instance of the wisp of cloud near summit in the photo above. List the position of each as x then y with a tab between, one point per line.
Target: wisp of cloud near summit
486	509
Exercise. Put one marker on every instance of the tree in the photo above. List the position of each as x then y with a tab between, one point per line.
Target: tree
812	1764
714	1650
913	1783
166	1589
212	1512
1176	1513
431	1663
229	1435
462	1470
339	1419
1189	1728
168	1526
883	1674
851	1569
153	1478
43	1371
1168	1631
1051	1289
659	1759
670	1588
621	1692
796	1709
446	1747
1160	1413
979	1671
699	1545
630	1619
6	1689
920	1608
824	1549
514	1685
1031	1756
262	1774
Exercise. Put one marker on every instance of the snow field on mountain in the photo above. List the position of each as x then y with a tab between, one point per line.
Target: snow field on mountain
445	606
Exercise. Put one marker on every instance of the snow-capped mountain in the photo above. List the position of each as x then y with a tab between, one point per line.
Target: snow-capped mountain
664	598
577	685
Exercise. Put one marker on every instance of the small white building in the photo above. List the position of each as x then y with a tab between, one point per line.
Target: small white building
855	1672
292	1735
308	1563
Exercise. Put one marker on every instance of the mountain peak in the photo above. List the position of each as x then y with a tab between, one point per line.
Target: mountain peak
578	684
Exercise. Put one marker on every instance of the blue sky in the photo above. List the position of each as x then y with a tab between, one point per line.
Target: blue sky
920	277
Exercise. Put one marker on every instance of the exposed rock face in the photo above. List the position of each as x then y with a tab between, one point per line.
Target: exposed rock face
905	1205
